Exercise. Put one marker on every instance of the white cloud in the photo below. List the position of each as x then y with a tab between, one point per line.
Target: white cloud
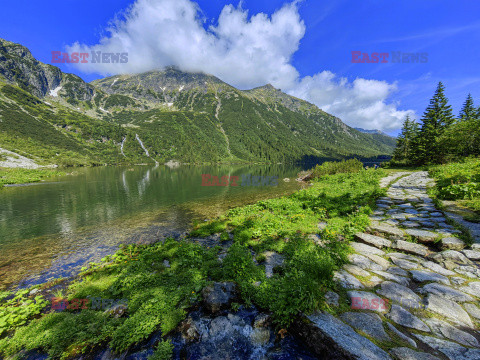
361	103
243	50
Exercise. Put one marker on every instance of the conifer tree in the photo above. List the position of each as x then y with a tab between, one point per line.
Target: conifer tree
468	112
436	119
405	141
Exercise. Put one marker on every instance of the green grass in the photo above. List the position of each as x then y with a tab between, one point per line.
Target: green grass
160	296
23	176
461	182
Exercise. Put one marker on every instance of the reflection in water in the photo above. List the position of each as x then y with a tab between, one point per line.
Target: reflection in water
58	226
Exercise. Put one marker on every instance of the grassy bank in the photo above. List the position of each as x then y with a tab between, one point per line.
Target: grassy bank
23	176
460	182
163	281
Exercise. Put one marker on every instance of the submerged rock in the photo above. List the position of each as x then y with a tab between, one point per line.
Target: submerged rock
218	296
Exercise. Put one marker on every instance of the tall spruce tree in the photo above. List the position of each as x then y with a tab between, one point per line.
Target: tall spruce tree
468	112
405	141
436	119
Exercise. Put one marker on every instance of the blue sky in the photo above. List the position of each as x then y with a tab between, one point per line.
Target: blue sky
304	48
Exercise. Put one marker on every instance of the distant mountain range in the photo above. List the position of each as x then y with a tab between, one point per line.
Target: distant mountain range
57	118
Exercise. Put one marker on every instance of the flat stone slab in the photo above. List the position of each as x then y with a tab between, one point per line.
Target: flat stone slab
355	270
389	276
401	335
446	292
364	300
443	329
364	262
472	254
403	317
452	350
391	232
405	353
472	310
410	247
404	264
422	235
368	323
376	241
424	276
452	243
366	249
400	294
450	259
397	271
385	264
328	337
448	309
347	280
437	268
472	288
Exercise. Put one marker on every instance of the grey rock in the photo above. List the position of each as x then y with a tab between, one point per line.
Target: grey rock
355	270
364	262
443	329
422	235
410	224
385	264
448	309
399	217
452	350
347	280
404	256
367	301
403	317
399	279
405	353
450	259
410	247
400	294
332	298
445	292
218	296
428	224
456	280
366	249
472	254
452	243
473	311
370	324
472	288
260	336
423	276
272	260
397	271
374	281
376	241
328	335
404	264
436	214
391	232
467	270
437	268
401	335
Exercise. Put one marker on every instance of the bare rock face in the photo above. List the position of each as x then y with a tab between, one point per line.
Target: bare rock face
218	296
330	338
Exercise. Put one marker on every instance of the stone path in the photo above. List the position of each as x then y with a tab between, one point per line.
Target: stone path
412	287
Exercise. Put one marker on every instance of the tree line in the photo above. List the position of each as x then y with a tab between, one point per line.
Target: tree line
440	137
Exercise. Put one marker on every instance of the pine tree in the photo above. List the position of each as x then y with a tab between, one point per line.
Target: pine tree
436	119
405	141
468	111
